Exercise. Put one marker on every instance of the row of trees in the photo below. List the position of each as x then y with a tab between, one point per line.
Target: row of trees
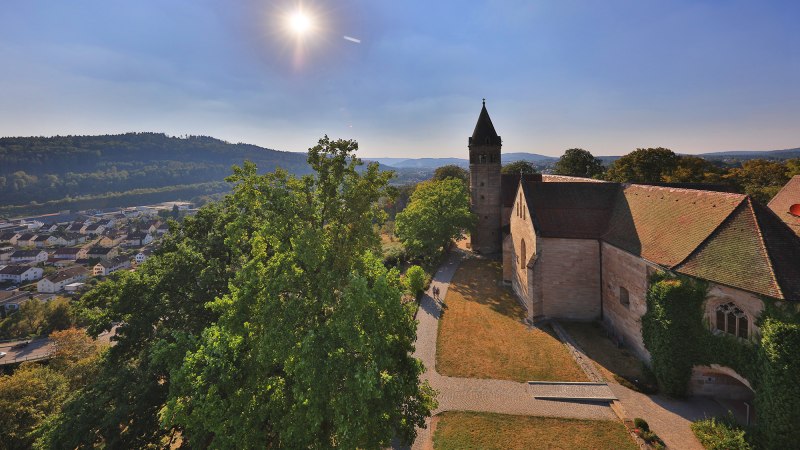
264	321
759	178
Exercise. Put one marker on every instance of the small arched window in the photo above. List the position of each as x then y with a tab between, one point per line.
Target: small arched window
732	320
524	254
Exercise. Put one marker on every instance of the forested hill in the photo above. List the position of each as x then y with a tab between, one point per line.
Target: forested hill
71	172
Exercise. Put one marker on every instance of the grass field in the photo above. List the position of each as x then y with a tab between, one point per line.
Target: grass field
468	430
481	334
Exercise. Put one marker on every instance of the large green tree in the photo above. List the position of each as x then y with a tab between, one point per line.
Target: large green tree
577	162
313	346
643	165
437	213
264	322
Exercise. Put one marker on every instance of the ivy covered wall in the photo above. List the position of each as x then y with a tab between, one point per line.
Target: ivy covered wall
674	333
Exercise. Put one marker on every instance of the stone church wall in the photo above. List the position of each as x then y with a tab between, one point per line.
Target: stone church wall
570	270
624	270
520	277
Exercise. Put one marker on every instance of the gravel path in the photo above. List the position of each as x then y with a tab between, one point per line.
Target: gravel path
471	394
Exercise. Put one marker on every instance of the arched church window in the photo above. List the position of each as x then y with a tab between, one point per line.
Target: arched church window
522	252
732	320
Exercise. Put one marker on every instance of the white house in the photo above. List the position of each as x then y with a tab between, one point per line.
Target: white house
10	237
57	281
17	273
138	239
93	229
25	240
108	266
142	255
44	240
29	256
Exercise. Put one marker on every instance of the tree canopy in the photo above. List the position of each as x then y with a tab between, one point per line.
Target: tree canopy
451	171
517	167
264	321
437	213
577	162
643	165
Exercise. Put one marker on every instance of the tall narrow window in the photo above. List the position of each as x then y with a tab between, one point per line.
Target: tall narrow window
524	254
624	297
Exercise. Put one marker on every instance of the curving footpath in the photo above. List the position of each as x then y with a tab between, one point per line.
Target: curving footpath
472	394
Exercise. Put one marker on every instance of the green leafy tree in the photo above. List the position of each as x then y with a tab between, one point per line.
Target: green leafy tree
451	171
643	165
312	348
415	279
437	213
27	397
694	169
577	162
759	178
162	310
517	167
263	321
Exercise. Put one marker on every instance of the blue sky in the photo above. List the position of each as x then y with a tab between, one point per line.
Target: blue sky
608	76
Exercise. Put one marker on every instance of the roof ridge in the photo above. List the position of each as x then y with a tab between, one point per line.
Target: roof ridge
785	187
714	232
694	191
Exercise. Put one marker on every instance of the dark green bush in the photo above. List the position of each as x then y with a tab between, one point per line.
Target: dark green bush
641	424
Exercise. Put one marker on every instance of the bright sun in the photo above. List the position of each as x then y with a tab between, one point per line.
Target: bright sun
300	23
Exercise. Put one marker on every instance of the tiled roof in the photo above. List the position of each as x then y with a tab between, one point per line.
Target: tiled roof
664	225
788	196
509	183
25	253
570	210
753	251
66	274
717	236
14	269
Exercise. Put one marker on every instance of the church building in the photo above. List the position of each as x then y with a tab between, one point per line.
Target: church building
583	249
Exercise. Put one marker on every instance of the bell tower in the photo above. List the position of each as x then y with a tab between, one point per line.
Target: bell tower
484	184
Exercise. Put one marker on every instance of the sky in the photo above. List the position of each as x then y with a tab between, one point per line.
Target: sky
406	78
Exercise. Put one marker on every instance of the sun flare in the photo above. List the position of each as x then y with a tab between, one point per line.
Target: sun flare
300	23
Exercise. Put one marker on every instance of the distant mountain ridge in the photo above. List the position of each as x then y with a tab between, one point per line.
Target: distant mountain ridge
432	163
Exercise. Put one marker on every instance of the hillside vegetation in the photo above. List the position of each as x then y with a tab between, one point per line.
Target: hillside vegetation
91	171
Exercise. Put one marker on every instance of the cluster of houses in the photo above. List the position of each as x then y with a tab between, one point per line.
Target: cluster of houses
60	251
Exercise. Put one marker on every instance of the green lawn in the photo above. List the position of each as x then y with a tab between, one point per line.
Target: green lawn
481	333
485	431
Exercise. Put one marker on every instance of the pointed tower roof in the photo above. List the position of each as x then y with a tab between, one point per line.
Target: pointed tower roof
484	132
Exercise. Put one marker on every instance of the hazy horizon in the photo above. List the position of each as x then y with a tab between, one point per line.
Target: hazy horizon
406	79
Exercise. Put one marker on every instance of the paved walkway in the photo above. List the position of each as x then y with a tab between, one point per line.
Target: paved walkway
472	394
